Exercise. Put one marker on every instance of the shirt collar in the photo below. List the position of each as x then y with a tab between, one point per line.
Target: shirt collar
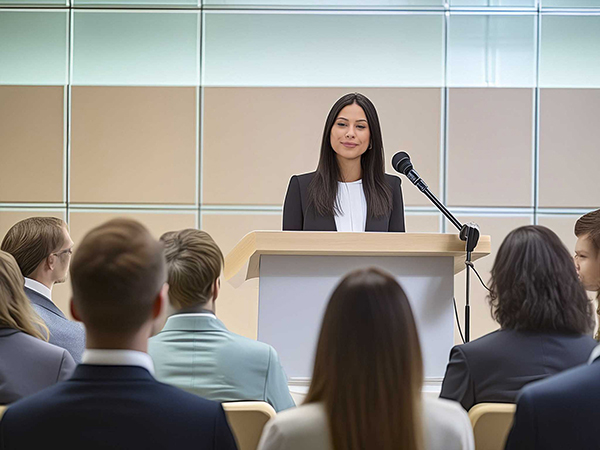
113	357
595	354
204	314
39	288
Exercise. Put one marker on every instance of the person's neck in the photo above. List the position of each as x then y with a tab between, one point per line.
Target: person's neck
198	309
44	278
350	170
117	341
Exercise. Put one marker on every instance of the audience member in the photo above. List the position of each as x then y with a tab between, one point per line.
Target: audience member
113	401
587	253
195	351
367	380
545	317
42	247
28	363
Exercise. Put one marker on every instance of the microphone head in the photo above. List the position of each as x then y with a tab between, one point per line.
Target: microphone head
401	163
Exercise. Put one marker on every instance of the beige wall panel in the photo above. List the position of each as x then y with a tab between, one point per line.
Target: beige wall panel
481	319
238	307
31	143
133	145
563	226
569	148
490	141
255	139
422	223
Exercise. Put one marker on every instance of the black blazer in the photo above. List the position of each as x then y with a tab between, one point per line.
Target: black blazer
299	216
559	413
496	366
114	407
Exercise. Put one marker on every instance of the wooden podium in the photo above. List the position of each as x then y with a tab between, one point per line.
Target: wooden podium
298	271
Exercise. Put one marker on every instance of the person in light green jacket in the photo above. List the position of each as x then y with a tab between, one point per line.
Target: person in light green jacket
195	351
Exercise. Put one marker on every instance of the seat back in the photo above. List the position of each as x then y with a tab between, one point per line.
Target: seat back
491	424
247	420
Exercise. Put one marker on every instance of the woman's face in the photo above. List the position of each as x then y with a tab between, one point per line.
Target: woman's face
350	134
587	261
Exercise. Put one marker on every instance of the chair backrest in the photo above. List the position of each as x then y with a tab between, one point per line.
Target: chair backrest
491	424
247	420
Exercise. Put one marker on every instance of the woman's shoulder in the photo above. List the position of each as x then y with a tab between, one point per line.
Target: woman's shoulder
301	427
446	424
393	180
42	350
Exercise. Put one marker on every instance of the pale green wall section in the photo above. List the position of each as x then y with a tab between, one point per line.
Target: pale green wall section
33	47
259	49
136	48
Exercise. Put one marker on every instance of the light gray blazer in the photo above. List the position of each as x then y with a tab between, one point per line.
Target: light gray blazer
29	365
446	427
63	332
199	354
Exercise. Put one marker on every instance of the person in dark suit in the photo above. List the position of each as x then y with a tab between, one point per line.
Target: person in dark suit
350	190
545	316
28	363
560	412
42	247
112	400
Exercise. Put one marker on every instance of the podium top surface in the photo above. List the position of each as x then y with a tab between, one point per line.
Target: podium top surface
246	254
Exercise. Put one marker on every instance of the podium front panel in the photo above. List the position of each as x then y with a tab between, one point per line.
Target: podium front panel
294	291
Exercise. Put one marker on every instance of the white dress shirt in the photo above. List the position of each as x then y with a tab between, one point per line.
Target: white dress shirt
595	354
39	288
113	357
353	207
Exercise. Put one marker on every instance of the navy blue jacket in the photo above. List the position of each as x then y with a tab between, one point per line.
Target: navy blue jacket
561	412
114	407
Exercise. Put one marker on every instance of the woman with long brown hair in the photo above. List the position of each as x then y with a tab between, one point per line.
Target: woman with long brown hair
367	378
29	362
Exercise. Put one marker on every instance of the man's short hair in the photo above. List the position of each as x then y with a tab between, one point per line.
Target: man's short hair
194	262
116	273
32	240
589	224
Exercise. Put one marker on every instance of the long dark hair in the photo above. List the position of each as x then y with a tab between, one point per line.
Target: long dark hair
322	191
534	285
368	369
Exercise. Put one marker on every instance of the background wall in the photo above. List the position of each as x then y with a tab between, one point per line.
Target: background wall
183	114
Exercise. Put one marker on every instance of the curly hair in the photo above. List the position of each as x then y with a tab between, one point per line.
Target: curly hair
534	285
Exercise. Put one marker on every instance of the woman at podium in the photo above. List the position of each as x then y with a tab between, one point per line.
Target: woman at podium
350	190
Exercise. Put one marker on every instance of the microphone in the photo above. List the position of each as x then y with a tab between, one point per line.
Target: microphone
469	232
401	163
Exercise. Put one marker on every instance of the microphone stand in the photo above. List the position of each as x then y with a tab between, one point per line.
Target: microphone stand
468	232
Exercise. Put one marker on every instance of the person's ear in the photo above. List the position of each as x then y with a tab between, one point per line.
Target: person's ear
50	262
159	310
74	311
216	289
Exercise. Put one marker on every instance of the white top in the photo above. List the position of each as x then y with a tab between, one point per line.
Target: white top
446	427
595	354
353	206
38	287
113	357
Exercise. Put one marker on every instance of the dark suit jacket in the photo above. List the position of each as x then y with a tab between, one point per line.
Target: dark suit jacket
559	413
496	366
114	407
63	332
298	215
28	365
